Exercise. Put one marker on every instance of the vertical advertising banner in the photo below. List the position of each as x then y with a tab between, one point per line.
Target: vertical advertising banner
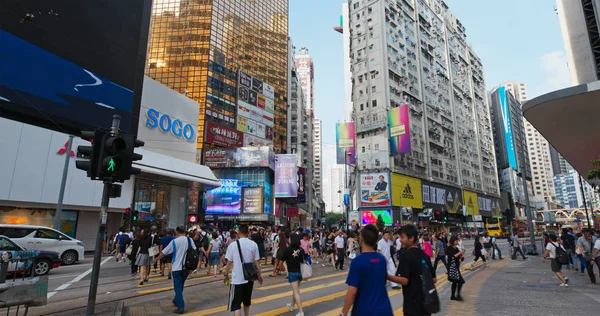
252	200
345	143
375	189
507	127
399	128
286	184
471	202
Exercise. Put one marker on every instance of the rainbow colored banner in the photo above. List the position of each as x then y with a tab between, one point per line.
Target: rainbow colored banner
399	128
345	140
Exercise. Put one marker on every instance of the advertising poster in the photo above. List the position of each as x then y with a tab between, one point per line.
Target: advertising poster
251	140
268	91
507	127
406	191
470	199
245	79
286	184
219	158
301	176
252	202
252	98
345	143
269	133
354	217
243	94
399	128
488	206
242	124
370	217
374	188
257	85
440	197
222	136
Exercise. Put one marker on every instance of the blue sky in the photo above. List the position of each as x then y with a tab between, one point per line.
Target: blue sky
516	40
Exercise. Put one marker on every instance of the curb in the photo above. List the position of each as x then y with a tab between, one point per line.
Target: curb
119	308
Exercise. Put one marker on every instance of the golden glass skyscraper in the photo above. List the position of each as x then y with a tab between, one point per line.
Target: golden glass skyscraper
198	47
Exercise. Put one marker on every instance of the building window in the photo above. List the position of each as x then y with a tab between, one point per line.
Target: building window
376	146
374	102
356	4
363	149
373	89
361	107
375	117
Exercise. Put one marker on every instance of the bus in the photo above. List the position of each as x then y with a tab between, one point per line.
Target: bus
494	227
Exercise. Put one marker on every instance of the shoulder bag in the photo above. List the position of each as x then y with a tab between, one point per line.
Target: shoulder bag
250	270
154	249
305	269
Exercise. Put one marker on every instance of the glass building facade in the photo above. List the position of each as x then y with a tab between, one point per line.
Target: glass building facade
197	47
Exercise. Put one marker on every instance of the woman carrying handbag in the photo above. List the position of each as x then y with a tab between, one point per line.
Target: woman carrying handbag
454	275
293	259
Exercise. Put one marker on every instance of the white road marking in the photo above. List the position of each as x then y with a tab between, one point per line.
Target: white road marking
76	279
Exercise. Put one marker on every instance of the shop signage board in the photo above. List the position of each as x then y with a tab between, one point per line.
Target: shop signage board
223	136
440	197
241	157
488	206
375	189
286	184
471	202
406	191
370	217
354	217
252	200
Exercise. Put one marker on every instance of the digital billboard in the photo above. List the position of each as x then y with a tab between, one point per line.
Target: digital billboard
399	130
252	201
241	157
286	184
224	199
345	143
370	217
63	67
507	127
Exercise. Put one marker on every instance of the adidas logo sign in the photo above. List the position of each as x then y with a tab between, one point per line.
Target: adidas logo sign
407	193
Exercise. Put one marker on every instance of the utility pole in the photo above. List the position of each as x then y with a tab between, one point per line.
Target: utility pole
63	183
527	208
102	228
587	215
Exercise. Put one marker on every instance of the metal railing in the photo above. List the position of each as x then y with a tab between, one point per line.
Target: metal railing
20	288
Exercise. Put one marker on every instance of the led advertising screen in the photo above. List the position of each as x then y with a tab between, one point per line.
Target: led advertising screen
252	201
69	65
374	189
507	127
235	196
370	217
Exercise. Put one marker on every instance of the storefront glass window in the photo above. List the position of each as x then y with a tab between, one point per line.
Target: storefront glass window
152	200
40	217
227	198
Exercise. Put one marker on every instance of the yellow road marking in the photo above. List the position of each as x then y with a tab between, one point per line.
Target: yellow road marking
219	277
315	301
274	286
274	297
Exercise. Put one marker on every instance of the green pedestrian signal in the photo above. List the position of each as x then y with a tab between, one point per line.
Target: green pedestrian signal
111	165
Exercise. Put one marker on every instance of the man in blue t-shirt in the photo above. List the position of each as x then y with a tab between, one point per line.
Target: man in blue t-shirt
167	261
367	294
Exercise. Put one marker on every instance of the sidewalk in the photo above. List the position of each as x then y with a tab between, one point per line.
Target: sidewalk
531	288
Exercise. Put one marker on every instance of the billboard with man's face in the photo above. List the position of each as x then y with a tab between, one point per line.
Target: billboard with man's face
374	189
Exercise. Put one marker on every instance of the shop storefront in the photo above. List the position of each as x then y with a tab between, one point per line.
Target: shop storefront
442	198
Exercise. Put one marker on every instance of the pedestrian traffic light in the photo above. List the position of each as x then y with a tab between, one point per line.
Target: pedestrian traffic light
134	217
437	215
126	216
445	216
90	154
128	156
110	162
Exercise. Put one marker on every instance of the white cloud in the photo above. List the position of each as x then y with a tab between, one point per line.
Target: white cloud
555	72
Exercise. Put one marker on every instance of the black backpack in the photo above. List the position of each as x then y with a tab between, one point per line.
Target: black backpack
562	256
431	300
191	259
125	240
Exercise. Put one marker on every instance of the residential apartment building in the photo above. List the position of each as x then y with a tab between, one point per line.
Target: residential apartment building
300	133
317	147
581	35
538	149
198	48
306	73
414	53
344	29
569	193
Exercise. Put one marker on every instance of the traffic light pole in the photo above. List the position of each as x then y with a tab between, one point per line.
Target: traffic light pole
100	237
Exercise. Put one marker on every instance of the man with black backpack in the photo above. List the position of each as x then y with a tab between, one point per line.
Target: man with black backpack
124	241
183	262
558	256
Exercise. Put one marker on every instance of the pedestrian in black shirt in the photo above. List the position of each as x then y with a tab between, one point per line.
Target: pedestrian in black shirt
410	272
293	257
454	258
143	259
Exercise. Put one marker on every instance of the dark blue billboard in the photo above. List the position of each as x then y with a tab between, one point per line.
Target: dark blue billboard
72	65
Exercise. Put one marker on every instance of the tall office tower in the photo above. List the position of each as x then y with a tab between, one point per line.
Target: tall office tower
317	147
344	29
510	142
306	73
415	53
581	35
198	48
569	193
538	149
559	164
336	188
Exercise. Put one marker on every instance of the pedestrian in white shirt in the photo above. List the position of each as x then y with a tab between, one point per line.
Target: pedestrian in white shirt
178	247
383	247
240	290
554	264
340	246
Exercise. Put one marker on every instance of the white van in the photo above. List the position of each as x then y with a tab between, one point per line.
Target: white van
32	237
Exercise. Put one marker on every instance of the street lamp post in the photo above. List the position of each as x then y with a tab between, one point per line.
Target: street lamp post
587	215
527	207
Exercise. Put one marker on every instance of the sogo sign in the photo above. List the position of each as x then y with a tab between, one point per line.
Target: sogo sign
167	124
